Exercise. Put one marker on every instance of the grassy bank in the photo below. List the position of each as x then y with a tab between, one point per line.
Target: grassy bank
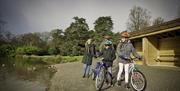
50	59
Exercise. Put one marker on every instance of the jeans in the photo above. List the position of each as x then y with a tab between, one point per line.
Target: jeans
86	69
109	69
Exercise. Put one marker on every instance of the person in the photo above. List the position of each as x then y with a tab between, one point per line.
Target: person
124	49
106	37
108	55
88	56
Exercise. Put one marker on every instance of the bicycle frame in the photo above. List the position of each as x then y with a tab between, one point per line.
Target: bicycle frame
131	68
99	67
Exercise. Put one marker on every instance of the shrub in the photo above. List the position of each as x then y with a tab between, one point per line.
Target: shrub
30	50
53	51
20	50
7	50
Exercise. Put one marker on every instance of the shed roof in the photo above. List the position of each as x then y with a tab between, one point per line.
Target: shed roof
156	28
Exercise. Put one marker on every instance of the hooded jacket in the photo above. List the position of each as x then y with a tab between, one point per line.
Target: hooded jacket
124	49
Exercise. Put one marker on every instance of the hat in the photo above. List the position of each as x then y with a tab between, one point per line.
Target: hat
125	34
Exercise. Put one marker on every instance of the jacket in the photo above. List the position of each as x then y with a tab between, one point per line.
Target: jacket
89	54
124	49
108	56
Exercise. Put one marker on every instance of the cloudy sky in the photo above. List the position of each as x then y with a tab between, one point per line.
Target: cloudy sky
24	16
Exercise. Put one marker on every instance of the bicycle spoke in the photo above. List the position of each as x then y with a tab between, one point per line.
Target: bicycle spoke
137	80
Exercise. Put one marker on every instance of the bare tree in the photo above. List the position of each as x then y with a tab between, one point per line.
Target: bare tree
138	19
158	20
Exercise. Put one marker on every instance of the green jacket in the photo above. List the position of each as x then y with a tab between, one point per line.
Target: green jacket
89	54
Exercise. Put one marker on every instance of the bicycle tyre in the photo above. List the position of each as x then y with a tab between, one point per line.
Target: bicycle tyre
93	74
138	77
100	77
109	77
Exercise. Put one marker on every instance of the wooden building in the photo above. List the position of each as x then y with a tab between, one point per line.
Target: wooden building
159	44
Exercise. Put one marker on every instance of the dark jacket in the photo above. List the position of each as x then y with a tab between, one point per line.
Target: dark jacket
89	54
108	56
124	49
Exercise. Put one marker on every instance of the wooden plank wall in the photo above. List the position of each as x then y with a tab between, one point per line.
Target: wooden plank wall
169	51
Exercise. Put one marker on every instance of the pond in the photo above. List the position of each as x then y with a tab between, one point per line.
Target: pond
24	75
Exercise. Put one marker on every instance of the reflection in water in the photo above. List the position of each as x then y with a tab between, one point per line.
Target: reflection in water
24	75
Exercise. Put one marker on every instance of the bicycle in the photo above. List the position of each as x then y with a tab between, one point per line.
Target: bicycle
94	70
136	77
101	75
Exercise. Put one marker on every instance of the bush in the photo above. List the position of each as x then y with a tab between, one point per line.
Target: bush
20	50
53	51
30	50
42	52
7	50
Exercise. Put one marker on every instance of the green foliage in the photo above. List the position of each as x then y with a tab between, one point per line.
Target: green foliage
103	26
57	37
30	50
66	59
53	51
7	50
40	59
49	59
20	50
76	33
31	39
59	42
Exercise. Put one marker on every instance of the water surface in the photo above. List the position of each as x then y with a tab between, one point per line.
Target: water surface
24	75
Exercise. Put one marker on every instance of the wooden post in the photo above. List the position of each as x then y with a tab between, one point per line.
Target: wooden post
145	50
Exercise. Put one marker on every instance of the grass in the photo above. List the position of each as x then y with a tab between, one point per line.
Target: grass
50	59
66	59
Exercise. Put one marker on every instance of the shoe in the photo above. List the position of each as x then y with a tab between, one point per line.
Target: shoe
88	76
119	83
112	85
109	85
127	86
83	76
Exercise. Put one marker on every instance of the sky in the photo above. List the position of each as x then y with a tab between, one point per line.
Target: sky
23	16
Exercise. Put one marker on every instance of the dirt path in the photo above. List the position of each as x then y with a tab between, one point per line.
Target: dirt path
69	78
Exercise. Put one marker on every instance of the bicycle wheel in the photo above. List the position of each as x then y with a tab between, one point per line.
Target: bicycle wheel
108	78
137	80
93	74
100	79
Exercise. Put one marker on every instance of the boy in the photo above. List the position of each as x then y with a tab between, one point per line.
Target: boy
108	55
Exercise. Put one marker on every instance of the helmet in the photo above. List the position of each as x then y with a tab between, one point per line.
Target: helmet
108	42
125	34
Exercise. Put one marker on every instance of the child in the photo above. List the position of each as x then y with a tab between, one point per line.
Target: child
124	49
108	55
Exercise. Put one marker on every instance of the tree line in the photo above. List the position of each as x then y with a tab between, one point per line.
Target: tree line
65	42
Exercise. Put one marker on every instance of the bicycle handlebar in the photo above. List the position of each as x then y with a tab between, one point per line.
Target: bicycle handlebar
132	60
